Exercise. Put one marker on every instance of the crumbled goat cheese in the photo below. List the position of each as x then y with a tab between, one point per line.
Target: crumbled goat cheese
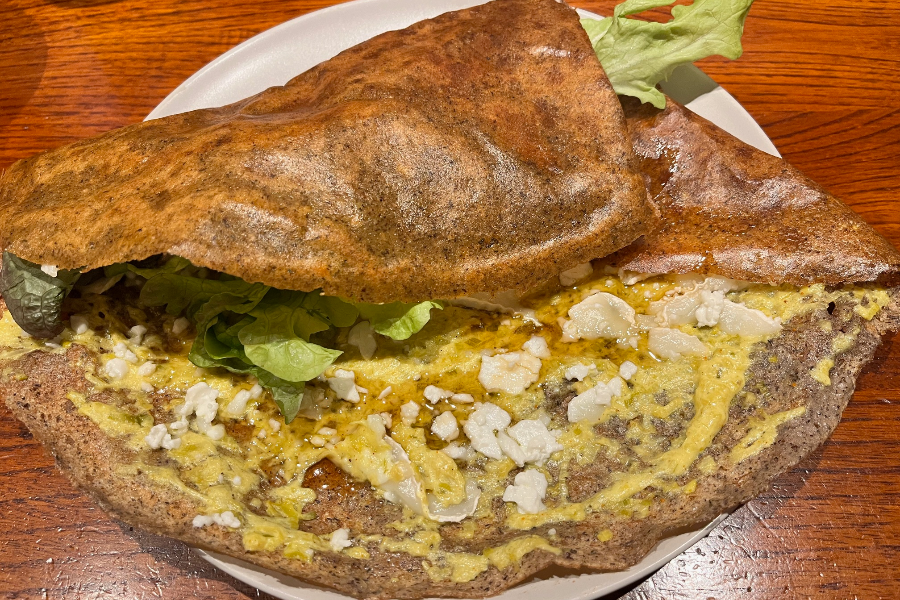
136	334
486	419
600	315
435	394
363	338
179	427
146	369
275	424
710	309
504	302
376	424
579	372
317	441
627	370
147	387
632	277
340	539
409	412
512	372
122	351
445	426
535	439
463	398
236	480
225	519
238	404
388	419
344	385
459	452
256	391
737	319
511	448
79	324
385	392
116	368
576	273
50	270
200	400
615	386
528	492
590	404
180	325
159	437
672	344
537	346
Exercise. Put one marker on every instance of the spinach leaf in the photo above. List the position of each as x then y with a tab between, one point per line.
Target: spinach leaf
34	298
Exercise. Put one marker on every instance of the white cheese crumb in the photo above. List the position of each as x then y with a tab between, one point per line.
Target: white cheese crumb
146	369
340	539
79	324
627	370
463	398
362	337
180	325
551	532
147	387
262	434
385	392
579	372
576	273
179	427
256	391
122	351
275	424
590	404
225	519
327	431
344	385
376	424
445	426
435	394
159	437
136	334
409	412
511	448
537	346
737	319
486	419
236	480
458	452
537	442
388	419
317	441
632	277
216	432
600	315
238	404
672	344
615	385
116	368
528	492
512	372
51	270
710	309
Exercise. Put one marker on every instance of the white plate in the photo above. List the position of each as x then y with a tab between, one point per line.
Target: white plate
275	56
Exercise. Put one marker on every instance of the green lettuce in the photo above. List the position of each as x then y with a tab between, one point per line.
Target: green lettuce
637	55
250	328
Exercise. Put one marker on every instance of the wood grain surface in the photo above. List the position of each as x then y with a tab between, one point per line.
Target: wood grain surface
820	76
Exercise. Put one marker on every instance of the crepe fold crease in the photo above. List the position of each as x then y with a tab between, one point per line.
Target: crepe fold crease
470	152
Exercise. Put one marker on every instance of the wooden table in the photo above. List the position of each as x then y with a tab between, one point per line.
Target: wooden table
820	77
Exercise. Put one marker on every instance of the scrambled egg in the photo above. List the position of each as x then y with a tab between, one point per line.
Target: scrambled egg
478	406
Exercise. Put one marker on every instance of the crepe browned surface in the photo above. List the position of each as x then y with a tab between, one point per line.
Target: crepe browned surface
730	209
779	379
482	150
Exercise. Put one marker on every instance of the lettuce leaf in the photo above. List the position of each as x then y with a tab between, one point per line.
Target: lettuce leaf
398	320
637	55
33	297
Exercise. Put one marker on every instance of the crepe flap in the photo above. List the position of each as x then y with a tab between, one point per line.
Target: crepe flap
481	150
730	209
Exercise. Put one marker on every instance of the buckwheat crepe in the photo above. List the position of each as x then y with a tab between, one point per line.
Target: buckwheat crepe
687	436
